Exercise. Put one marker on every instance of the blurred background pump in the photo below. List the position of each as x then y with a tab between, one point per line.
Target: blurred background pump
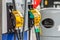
38	18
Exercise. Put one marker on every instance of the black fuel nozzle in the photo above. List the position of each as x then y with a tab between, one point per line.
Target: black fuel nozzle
30	16
30	19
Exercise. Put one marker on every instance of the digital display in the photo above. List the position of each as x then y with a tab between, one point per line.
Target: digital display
51	3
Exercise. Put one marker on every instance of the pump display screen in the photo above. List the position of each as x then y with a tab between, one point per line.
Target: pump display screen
51	3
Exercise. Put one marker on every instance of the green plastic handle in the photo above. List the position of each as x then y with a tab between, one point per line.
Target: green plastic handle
31	14
37	30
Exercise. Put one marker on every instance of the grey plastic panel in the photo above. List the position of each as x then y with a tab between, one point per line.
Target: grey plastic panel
50	38
54	14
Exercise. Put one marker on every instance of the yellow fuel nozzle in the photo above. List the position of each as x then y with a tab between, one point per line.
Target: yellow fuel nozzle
18	19
18	23
37	19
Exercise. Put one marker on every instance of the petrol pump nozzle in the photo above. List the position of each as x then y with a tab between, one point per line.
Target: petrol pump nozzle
30	19
18	23
37	19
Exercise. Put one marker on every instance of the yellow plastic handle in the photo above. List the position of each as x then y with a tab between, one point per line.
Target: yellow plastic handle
18	18
37	17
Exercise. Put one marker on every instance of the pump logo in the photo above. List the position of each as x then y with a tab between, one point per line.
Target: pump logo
48	23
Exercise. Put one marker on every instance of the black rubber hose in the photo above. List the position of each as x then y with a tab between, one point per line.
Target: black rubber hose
37	35
29	33
14	34
14	6
19	34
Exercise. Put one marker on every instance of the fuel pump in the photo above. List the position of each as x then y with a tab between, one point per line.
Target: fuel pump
34	18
